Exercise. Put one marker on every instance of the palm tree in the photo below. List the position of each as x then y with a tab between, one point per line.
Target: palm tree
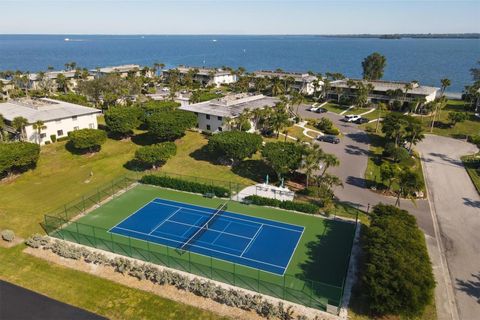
445	83
329	160
19	124
297	100
311	161
39	126
277	88
380	107
62	82
407	87
438	106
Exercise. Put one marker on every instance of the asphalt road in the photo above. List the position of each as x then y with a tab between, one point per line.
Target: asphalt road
456	204
17	303
353	151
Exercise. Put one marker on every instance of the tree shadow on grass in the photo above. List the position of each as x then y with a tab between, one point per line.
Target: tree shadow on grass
135	165
327	260
255	170
144	139
203	154
70	148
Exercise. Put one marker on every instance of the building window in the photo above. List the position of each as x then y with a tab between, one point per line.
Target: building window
91	126
207	116
42	135
208	127
220	129
74	118
75	128
59	133
219	118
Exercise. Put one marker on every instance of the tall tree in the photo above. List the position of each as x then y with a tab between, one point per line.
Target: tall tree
19	123
380	107
311	161
373	66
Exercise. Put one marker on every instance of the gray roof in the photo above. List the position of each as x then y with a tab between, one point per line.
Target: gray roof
122	68
52	75
202	71
231	106
299	77
390	85
43	109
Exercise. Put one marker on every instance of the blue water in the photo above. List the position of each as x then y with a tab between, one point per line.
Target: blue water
425	60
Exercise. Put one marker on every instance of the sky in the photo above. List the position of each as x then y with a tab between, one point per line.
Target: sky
238	17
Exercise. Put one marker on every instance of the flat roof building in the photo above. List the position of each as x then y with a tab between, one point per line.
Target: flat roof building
384	91
59	118
212	115
206	76
302	82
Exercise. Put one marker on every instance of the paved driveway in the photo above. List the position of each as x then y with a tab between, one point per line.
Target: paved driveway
353	152
456	204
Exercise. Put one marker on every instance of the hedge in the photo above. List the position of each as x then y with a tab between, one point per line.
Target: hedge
288	205
183	185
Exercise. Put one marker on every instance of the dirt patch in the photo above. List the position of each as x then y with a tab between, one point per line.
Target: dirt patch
7	244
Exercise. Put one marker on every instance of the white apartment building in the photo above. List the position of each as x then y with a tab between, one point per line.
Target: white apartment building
212	115
303	82
59	118
49	79
385	91
206	76
123	70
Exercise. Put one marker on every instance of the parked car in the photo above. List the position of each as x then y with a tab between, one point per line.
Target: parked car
362	120
321	110
329	138
313	108
351	118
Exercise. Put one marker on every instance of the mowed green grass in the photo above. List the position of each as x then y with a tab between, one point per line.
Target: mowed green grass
103	297
322	253
468	128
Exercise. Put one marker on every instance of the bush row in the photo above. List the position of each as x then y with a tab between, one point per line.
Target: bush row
189	186
288	205
143	271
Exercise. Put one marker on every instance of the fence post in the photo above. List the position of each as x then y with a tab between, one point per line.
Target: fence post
189	262
113	192
94	237
211	268
284	288
234	274
83	202
78	233
258	280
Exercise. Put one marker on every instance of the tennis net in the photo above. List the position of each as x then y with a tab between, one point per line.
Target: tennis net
204	227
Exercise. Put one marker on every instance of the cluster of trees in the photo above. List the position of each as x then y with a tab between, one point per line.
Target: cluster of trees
326	125
155	155
397	277
401	133
17	157
285	158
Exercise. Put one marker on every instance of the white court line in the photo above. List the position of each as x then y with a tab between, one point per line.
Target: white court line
201	247
191	226
252	240
161	223
214	230
221	232
146	204
230	217
293	253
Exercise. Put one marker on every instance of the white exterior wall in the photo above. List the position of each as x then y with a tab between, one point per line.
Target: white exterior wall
68	124
214	123
431	97
224	79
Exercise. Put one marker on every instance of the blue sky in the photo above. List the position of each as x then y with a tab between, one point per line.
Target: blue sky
239	17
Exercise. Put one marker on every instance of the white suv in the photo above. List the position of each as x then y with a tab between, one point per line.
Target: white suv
351	118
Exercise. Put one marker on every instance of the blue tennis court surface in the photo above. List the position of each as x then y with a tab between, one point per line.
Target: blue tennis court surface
254	242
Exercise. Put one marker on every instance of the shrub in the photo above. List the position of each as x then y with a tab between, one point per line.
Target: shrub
18	156
236	145
179	184
156	154
8	235
475	139
398	277
398	154
37	241
122	120
63	139
88	139
288	205
326	125
53	138
170	125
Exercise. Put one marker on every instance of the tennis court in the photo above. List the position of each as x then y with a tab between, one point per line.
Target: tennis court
251	241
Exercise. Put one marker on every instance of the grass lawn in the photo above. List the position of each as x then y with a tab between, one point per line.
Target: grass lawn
321	238
59	177
192	159
372	173
472	164
442	127
89	292
335	108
